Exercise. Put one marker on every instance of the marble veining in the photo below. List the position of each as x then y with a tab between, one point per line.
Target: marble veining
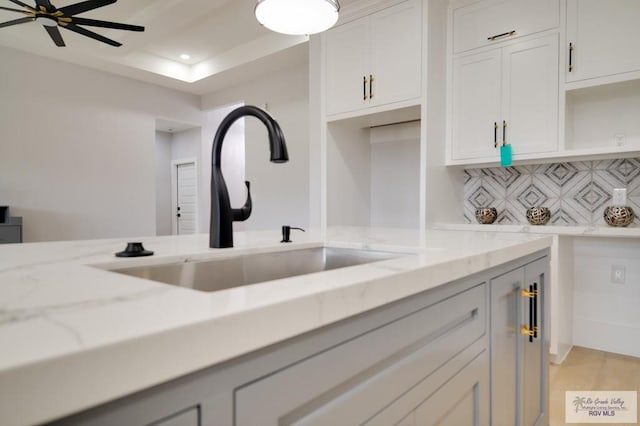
18	314
64	317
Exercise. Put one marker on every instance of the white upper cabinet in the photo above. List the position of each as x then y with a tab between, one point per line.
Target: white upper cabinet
488	22
530	95
604	38
505	95
477	81
347	64
374	60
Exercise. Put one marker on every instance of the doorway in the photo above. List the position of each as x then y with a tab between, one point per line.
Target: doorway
184	196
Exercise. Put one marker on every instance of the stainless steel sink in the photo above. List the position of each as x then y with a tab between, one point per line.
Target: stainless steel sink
222	273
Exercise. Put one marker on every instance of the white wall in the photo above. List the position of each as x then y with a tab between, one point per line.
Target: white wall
77	148
163	183
186	144
606	315
280	191
395	176
348	175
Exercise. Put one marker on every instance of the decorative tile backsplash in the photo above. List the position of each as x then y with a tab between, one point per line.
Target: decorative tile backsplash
576	192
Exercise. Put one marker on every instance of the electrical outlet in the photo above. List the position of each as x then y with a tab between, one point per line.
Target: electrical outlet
618	274
619	139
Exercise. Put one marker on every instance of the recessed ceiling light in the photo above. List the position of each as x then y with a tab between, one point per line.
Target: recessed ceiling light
185	57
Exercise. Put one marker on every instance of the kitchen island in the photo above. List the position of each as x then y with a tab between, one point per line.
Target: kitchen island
75	335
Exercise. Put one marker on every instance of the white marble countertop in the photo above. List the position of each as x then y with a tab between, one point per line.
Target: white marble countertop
74	335
600	231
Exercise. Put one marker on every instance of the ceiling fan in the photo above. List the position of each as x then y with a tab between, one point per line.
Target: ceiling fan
51	18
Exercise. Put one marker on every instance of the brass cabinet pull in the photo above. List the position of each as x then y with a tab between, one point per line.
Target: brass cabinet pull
526	331
495	134
364	87
535	310
570	57
497	36
532	328
504	132
370	86
527	293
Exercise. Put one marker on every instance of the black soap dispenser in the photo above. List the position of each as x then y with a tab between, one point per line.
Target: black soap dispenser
286	232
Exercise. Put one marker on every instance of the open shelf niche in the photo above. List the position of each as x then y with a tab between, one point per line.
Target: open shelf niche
373	166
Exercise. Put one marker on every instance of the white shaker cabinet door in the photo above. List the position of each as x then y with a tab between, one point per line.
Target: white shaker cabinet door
395	55
476	105
605	36
347	64
530	95
375	60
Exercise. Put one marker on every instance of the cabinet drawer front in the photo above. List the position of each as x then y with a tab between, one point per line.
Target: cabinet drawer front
461	401
352	381
474	25
190	417
10	234
438	385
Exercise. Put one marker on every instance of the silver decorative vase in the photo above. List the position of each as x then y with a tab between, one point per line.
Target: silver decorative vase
618	215
486	215
538	215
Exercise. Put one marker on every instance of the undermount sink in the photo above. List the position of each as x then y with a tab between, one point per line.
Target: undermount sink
236	271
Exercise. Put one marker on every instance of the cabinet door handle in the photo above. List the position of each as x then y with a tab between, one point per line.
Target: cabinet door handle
570	57
495	134
531	330
504	132
535	310
370	86
497	36
364	87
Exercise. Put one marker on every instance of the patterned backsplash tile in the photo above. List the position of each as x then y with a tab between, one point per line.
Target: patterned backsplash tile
576	193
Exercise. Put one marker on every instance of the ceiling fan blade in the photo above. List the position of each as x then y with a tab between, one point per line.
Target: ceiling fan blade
46	4
91	34
105	24
16	22
54	33
13	10
74	9
19	3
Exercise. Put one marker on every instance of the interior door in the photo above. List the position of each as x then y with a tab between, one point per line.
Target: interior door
186	191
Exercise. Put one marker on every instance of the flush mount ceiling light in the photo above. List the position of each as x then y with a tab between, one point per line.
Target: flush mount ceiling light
297	17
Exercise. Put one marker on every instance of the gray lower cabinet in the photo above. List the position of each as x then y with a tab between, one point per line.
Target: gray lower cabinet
424	360
188	417
395	366
518	346
11	231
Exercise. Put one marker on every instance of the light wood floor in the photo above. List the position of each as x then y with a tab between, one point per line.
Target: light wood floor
589	369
